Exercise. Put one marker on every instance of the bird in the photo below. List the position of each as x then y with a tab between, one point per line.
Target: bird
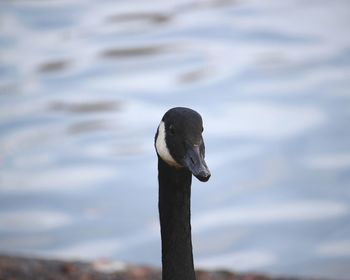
180	150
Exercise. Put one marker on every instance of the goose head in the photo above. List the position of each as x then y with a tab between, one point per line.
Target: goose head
179	142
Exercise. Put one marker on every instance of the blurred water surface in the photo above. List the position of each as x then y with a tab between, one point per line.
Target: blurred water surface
84	84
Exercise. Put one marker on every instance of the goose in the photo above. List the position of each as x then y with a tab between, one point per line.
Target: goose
180	150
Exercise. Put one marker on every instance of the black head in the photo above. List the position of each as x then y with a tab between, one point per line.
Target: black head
179	141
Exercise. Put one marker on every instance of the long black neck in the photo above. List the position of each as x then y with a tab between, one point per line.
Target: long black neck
174	212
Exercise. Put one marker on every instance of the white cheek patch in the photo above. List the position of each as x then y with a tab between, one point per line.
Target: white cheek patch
162	148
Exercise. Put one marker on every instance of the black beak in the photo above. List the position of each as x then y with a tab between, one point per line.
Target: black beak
194	162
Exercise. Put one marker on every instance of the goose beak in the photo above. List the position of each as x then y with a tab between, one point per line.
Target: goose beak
195	163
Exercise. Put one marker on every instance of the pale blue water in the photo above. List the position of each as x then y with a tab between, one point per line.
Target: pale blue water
84	84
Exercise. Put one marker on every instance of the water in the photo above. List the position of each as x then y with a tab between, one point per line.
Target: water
84	85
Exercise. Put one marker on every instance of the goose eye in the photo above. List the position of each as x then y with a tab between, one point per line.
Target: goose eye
172	129
202	129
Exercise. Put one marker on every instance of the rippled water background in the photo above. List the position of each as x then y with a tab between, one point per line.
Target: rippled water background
83	85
